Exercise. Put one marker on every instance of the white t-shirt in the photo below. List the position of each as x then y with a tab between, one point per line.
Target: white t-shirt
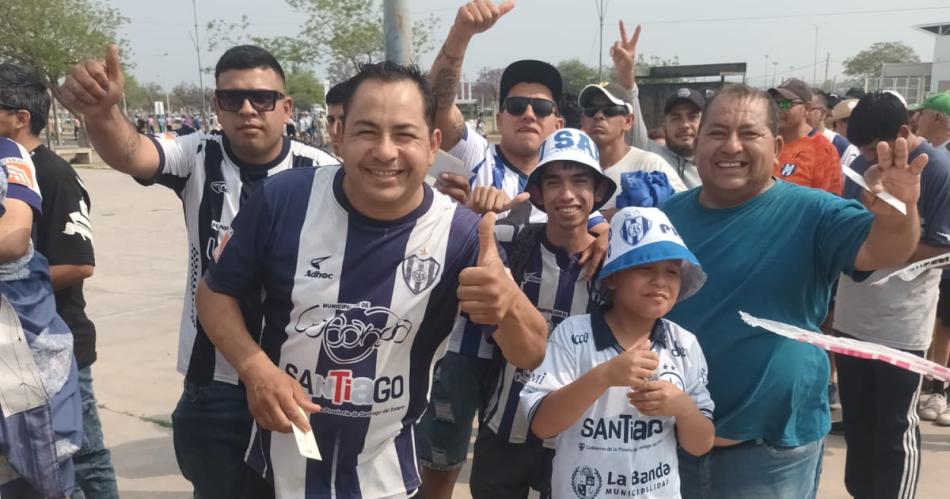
612	450
638	160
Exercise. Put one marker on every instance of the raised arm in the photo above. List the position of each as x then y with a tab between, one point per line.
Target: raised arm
94	89
474	17
624	54
893	237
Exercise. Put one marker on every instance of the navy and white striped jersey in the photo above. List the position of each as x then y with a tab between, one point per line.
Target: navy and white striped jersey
212	184
357	310
489	167
554	281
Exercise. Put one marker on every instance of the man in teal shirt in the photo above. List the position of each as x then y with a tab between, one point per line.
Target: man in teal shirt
773	249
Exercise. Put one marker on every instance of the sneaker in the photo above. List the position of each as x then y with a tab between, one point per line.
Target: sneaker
834	401
944	418
935	406
922	400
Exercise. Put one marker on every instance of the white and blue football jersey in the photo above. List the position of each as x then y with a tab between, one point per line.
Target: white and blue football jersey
357	310
213	184
555	283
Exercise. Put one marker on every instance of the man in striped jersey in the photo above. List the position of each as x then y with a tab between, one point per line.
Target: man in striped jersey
529	94
213	174
363	277
568	185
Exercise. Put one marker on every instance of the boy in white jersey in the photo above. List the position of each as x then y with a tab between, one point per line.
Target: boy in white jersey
616	383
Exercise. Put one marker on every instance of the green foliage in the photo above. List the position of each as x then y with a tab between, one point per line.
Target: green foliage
867	63
344	33
576	75
306	90
51	36
139	97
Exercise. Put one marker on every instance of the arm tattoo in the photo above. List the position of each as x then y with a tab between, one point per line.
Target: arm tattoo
447	78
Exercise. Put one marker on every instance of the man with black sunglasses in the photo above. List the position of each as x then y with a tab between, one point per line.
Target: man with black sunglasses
213	174
643	178
807	159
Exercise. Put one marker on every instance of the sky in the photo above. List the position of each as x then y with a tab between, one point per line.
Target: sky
160	34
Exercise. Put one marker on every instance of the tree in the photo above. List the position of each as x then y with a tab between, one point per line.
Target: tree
576	75
306	90
486	85
139	97
50	36
344	33
867	63
186	97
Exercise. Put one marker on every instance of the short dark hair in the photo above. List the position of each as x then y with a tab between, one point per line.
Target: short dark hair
247	57
22	88
741	91
819	95
390	72
337	93
877	116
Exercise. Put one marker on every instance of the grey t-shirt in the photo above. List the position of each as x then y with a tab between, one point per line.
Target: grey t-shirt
900	314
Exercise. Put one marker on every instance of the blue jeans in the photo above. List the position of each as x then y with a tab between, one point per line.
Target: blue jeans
752	470
212	429
95	476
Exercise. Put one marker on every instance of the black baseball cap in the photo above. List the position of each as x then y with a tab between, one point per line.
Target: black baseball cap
530	71
685	94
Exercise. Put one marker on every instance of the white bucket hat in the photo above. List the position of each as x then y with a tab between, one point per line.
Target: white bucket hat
569	144
640	236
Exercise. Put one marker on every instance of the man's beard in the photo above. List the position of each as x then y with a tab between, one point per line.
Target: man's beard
682	149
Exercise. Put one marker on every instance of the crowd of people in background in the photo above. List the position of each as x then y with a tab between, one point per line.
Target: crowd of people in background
570	291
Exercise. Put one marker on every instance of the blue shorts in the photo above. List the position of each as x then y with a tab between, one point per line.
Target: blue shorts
460	388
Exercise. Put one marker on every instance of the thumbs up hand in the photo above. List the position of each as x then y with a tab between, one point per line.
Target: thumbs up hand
486	291
92	87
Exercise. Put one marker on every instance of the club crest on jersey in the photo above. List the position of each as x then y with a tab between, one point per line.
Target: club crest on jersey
420	273
586	482
634	229
353	334
668	373
788	169
219	187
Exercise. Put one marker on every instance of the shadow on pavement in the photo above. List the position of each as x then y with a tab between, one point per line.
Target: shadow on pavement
147	458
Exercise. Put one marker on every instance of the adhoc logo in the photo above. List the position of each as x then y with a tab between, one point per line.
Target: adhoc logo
340	387
315	272
634	229
788	169
586	482
420	273
354	333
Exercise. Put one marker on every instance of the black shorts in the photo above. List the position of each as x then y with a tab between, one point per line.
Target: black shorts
943	305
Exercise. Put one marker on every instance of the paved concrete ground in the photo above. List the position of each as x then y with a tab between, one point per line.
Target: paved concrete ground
135	299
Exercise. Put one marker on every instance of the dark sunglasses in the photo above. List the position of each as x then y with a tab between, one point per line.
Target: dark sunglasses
516	106
786	104
610	111
261	100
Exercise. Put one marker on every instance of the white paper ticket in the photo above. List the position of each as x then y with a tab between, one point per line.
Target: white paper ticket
21	388
852	347
884	196
306	442
910	272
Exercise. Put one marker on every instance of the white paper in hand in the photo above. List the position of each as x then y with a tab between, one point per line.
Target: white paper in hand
884	196
306	442
446	163
910	272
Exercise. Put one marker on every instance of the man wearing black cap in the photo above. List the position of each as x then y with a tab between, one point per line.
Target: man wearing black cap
807	159
643	178
681	113
528	113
